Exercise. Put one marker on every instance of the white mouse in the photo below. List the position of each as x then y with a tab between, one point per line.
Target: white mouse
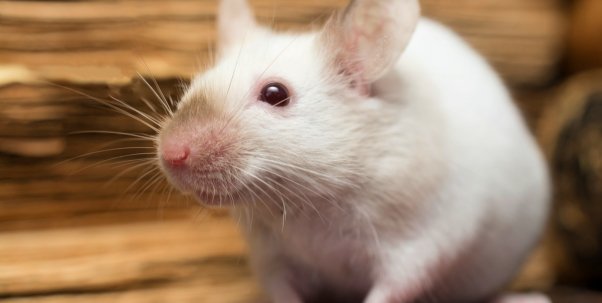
379	159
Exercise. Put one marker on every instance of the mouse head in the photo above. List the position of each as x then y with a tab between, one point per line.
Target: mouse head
284	117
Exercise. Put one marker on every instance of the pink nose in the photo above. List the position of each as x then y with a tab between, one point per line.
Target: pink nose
175	155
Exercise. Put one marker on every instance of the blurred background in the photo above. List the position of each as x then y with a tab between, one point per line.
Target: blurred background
84	219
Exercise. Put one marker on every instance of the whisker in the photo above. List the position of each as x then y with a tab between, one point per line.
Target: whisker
304	199
104	151
108	132
148	117
123	111
112	159
169	190
254	194
145	162
107	103
149	104
153	181
150	171
269	187
100	149
235	66
161	101
283	215
163	98
172	102
306	170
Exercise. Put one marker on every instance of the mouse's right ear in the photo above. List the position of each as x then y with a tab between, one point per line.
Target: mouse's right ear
367	39
235	21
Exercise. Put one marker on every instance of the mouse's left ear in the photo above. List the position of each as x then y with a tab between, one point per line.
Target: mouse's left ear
235	21
367	38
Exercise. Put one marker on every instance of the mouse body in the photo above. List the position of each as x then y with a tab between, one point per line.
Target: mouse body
379	159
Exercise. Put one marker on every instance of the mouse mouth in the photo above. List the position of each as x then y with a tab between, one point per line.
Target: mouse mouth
210	187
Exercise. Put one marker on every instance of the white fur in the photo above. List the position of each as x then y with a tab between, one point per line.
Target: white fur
430	189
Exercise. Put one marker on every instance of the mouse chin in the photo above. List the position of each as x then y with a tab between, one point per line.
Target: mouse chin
212	193
209	191
216	199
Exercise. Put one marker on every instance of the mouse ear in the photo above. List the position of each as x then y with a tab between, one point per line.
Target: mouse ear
235	21
367	38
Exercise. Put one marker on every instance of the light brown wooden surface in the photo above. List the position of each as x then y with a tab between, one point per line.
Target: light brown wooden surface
585	44
108	41
162	261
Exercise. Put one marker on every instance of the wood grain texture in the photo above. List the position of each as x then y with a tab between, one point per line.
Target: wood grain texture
167	261
108	41
585	38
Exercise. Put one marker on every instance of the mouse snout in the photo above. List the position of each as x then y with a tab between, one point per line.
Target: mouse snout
174	153
196	151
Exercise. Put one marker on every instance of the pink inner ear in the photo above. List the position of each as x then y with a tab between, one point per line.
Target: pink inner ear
352	68
353	74
368	31
358	44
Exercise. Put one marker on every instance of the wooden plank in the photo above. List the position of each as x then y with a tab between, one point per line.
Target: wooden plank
99	41
74	218
151	260
524	40
62	205
585	45
237	289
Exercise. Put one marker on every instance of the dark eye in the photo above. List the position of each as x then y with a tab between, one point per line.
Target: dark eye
275	94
